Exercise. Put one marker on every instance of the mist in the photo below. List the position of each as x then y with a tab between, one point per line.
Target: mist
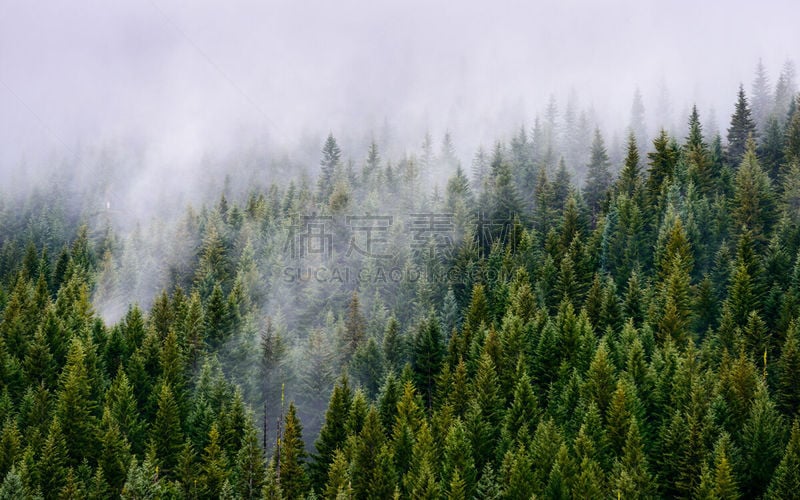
443	239
169	84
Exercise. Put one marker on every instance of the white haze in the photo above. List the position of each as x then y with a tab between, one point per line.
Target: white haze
174	81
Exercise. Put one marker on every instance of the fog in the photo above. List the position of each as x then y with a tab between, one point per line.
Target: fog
173	81
136	110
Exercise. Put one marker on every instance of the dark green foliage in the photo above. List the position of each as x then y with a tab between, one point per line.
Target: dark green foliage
633	339
598	175
742	127
292	472
426	357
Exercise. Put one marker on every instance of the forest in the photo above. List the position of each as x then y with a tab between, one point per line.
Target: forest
562	318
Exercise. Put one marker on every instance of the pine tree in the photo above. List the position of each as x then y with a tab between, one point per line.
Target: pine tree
771	150
489	486
166	432
458	465
75	407
753	203
367	366
115	455
630	177
10	442
214	465
785	90
598	176
331	158
516	471
742	127
250	468
213	268
725	486
521	416
12	487
600	379
788	371
662	161
763	436
292	472
339	484
217	317
486	410
792	139
786	480
52	466
371	469
698	157
142	481
122	405
333	434
637	127
631	477
355	328
426	357
761	96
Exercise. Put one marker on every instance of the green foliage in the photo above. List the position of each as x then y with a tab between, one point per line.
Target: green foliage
637	338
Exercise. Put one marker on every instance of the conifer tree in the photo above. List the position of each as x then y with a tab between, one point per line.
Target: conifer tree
371	470
250	468
75	407
427	356
292	474
166	432
662	160
698	156
52	467
214	465
331	158
742	127
630	175
115	455
763	436
333	434
788	371
598	176
753	203
786	481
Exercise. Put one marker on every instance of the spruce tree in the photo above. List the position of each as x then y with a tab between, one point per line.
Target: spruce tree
214	465
598	175
785	482
115	455
742	127
250	470
426	357
662	161
331	158
75	407
292	473
166	434
753	202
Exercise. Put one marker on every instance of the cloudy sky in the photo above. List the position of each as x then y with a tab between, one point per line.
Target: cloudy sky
178	79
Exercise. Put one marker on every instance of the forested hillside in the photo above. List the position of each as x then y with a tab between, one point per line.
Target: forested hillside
559	319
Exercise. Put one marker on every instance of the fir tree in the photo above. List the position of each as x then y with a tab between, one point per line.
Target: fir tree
331	158
786	480
427	355
742	127
166	432
214	465
291	473
598	176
